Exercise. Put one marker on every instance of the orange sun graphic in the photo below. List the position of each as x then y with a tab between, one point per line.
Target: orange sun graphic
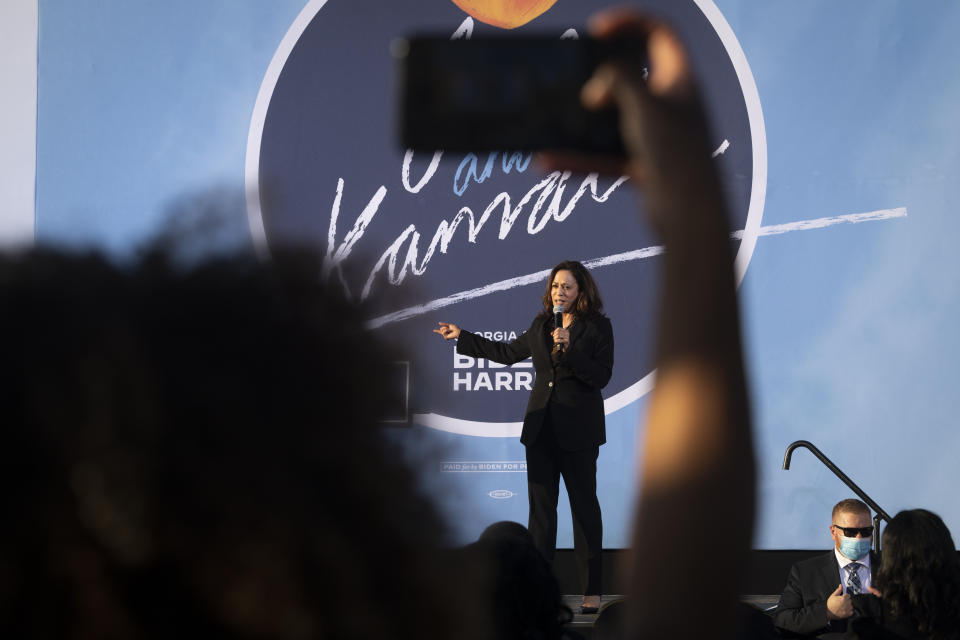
506	14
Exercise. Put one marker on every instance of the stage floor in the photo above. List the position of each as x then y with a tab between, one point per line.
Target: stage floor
583	624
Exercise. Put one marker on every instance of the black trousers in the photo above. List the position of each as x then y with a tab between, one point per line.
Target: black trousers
546	462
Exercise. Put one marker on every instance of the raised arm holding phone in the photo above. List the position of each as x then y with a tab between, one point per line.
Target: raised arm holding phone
697	461
694	515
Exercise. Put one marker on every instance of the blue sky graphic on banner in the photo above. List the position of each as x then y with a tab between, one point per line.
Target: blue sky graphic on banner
835	131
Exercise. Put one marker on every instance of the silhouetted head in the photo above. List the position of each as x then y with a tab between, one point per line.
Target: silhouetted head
506	531
195	451
524	595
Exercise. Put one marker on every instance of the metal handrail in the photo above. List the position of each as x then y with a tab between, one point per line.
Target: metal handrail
828	463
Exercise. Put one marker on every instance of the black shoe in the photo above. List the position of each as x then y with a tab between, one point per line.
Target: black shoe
587	610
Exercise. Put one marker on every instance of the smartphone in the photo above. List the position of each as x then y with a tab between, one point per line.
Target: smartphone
507	93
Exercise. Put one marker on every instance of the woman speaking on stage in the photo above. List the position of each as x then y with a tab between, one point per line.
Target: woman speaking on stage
564	424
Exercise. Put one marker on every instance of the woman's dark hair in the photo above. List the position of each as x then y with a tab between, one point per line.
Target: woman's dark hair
588	297
919	573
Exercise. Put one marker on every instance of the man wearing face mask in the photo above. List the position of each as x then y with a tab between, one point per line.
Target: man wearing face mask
816	601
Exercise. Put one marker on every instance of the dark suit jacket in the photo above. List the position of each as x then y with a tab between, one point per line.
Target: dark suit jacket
803	603
572	388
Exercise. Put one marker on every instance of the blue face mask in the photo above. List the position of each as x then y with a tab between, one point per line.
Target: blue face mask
854	548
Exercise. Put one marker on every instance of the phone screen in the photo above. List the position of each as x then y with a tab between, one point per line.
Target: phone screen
502	93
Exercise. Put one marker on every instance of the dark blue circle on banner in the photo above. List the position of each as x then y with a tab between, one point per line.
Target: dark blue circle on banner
468	238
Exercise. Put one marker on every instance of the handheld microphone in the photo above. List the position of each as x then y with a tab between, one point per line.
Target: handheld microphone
558	324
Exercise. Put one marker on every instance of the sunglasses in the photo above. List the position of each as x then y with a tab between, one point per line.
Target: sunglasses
851	532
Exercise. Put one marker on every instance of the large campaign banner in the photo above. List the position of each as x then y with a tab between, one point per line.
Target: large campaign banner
831	130
469	237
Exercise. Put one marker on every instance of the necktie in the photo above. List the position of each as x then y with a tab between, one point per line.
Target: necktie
854	586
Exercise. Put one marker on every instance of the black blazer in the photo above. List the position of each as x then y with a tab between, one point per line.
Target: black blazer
572	388
803	603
